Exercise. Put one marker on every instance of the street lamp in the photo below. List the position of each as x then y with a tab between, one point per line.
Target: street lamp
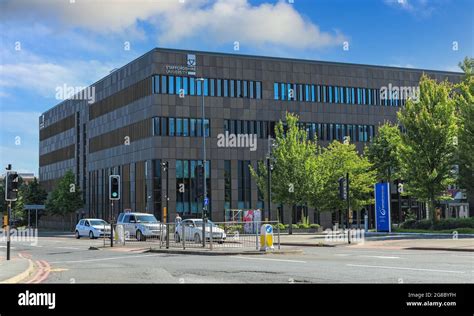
165	215
204	207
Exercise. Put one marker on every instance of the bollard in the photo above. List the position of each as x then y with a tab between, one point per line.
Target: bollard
278	233
183	236
210	237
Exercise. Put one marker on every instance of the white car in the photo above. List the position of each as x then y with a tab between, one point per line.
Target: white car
141	225
193	231
92	227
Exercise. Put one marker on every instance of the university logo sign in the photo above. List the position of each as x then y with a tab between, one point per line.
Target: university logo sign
188	69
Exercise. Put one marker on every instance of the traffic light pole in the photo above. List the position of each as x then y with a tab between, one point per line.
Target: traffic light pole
8	229
269	190
111	225
399	202
348	208
167	205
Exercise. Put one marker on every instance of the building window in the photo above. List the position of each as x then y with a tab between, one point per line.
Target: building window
258	86
244	181
238	92
198	87
227	185
252	89
171	126
212	84
164	84
185	86
178	85
171	84
185	127
164	126
226	88
219	87
276	93
245	88
232	88
192	86
192	128
179	126
156	126
283	91
206	87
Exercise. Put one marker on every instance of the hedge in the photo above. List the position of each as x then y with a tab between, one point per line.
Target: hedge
448	223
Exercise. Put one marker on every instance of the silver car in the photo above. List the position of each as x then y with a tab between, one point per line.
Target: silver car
141	226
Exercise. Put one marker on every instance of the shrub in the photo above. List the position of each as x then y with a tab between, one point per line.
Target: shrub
295	226
314	226
448	223
303	226
279	225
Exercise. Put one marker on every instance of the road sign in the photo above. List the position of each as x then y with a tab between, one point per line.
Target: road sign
382	207
206	201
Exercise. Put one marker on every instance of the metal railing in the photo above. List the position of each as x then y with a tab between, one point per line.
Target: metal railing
217	235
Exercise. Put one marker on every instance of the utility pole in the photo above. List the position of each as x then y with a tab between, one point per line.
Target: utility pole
166	220
269	179
11	191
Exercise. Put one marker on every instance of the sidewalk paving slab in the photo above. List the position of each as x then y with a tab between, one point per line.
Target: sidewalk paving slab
15	270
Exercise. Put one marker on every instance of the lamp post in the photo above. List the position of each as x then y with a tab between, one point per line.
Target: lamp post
204	207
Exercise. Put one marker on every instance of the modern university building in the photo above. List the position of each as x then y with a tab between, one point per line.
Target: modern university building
149	111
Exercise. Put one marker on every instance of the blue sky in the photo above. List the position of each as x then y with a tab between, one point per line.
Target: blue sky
48	43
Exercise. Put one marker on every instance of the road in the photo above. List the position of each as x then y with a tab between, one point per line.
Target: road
67	260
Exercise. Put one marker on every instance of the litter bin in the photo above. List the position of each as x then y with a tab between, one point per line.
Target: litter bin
266	237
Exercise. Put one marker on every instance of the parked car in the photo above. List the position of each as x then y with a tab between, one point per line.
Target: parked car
193	231
141	225
92	227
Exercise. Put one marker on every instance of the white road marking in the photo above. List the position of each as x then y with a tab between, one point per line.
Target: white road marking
268	259
381	257
72	248
6	247
105	259
342	254
402	268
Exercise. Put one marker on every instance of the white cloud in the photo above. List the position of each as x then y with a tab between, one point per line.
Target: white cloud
218	21
416	7
33	73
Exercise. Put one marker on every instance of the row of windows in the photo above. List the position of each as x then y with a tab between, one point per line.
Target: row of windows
332	94
210	87
176	126
320	131
187	201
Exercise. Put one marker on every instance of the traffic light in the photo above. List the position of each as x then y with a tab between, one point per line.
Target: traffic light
11	189
199	180
342	189
114	187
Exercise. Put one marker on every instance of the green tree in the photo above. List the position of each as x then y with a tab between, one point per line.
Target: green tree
383	152
465	105
292	156
336	161
428	145
29	193
66	198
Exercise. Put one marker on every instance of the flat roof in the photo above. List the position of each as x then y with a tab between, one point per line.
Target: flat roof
287	59
272	58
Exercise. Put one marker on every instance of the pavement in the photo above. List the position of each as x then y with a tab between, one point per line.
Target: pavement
15	270
411	241
64	259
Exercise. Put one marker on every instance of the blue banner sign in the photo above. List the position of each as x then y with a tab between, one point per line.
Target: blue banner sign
382	207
